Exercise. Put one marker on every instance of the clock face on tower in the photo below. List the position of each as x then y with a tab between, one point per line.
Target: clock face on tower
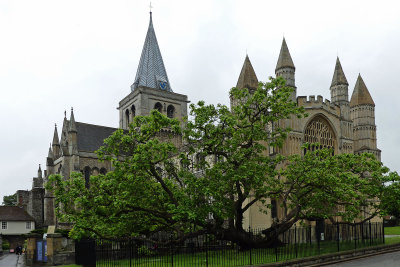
163	85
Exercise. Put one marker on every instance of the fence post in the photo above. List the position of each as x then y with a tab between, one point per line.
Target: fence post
370	233
295	239
338	236
206	250
355	236
383	232
250	233
172	252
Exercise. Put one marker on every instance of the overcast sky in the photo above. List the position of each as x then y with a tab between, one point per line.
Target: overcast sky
56	54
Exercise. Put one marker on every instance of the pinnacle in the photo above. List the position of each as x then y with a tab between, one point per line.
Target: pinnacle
247	78
72	124
284	60
338	76
361	95
50	155
56	141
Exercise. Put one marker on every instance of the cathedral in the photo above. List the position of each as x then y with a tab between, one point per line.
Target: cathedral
346	126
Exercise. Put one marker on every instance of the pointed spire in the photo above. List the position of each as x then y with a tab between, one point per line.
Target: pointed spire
361	95
39	172
50	155
247	78
72	123
338	76
151	70
284	60
56	141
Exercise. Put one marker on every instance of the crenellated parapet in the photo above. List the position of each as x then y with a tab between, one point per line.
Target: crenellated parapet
312	102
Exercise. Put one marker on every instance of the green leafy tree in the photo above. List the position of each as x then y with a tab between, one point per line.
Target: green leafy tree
222	169
10	200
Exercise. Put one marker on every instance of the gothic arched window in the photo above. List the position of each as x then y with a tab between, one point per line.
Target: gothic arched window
127	118
86	172
158	107
319	131
133	110
170	111
103	171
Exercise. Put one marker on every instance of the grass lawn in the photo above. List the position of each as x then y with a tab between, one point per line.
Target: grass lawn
395	230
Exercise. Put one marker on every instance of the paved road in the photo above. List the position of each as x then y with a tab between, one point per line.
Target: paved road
384	260
12	260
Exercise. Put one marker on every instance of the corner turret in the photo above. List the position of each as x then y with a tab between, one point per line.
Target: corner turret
362	112
247	78
286	69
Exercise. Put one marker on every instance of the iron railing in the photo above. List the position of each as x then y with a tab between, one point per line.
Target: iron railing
205	250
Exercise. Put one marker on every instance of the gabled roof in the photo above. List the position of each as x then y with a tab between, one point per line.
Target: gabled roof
91	137
338	75
284	60
247	78
14	213
151	70
361	95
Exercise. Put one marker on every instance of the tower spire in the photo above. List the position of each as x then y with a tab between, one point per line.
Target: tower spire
361	95
338	76
56	141
151	70
286	69
247	78
284	60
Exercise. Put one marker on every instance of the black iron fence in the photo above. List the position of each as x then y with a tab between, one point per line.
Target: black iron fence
205	250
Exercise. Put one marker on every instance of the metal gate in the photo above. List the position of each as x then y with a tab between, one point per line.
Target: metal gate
85	252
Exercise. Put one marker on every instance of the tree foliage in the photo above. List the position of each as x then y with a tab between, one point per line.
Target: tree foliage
10	200
222	170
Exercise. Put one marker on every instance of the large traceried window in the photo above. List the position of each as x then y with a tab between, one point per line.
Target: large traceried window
319	131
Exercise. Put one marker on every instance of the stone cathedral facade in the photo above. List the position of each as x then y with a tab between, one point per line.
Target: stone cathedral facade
346	125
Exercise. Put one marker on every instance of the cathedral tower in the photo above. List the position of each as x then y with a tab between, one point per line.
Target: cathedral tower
363	116
286	69
247	78
340	96
151	88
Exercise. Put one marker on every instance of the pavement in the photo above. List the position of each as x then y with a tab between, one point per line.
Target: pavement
384	260
12	260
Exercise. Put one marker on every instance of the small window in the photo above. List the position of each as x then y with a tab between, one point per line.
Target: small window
170	111
133	110
87	173
28	225
158	107
3	225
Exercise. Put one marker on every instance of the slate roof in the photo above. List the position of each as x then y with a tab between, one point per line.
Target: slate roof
151	70
361	95
14	213
248	78
284	60
338	76
91	137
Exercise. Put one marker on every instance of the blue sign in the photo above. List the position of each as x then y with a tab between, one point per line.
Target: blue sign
41	251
